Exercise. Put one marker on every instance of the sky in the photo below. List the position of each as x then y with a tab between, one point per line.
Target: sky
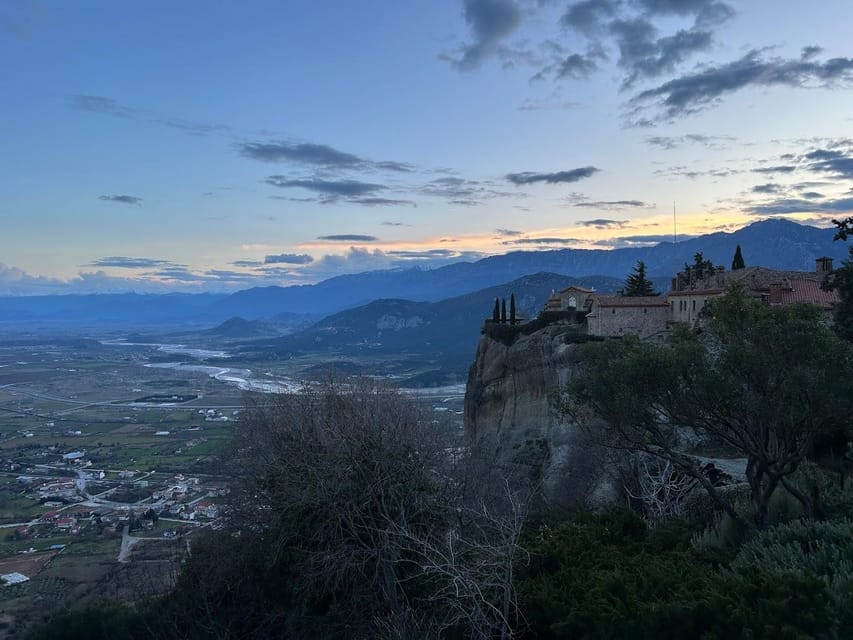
215	146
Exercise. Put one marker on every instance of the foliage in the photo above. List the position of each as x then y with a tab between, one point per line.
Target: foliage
100	621
771	380
512	308
737	261
496	312
607	576
637	284
841	280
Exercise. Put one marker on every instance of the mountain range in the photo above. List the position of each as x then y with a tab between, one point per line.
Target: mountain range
776	243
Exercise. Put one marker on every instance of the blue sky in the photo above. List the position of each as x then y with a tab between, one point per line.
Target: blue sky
219	145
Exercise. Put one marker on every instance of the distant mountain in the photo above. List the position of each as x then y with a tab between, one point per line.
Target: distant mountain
237	327
109	310
780	244
438	338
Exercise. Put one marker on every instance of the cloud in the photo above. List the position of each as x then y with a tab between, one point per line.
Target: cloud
779	168
462	191
247	263
123	199
558	105
124	262
782	206
289	258
394	223
642	54
331	188
490	22
539	241
300	153
588	17
348	237
612	204
109	106
507	232
694	92
383	202
673	142
101	104
602	223
530	177
769	187
834	161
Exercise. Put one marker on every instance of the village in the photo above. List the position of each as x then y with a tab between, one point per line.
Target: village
82	502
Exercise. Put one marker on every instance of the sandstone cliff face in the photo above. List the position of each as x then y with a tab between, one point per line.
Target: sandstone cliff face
509	414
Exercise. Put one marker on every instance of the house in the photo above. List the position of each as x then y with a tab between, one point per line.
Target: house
570	298
620	315
773	287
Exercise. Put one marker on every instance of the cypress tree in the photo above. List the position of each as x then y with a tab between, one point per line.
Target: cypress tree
503	309
737	261
512	308
496	312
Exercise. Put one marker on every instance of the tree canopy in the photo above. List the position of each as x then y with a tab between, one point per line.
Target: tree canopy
637	283
763	382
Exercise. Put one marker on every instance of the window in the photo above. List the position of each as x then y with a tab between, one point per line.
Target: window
573	302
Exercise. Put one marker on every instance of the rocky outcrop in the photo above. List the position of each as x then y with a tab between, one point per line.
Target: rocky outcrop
510	416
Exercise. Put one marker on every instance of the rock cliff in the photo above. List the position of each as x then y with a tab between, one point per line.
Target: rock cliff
509	414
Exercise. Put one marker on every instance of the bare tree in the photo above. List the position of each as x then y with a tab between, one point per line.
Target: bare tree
363	492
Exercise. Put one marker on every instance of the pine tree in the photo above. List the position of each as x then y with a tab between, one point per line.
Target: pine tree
637	284
496	312
512	308
737	261
503	309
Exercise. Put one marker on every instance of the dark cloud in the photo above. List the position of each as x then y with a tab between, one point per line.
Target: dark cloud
702	89
247	263
124	262
769	187
588	16
383	202
612	204
530	177
122	199
508	232
602	223
462	191
782	206
348	237
539	241
577	66
289	258
394	223
692	174
835	161
812	195
490	21
329	188
673	142
390	165
300	153
778	168
643	55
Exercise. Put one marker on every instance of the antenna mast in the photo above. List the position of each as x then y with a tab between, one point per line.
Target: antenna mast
674	234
